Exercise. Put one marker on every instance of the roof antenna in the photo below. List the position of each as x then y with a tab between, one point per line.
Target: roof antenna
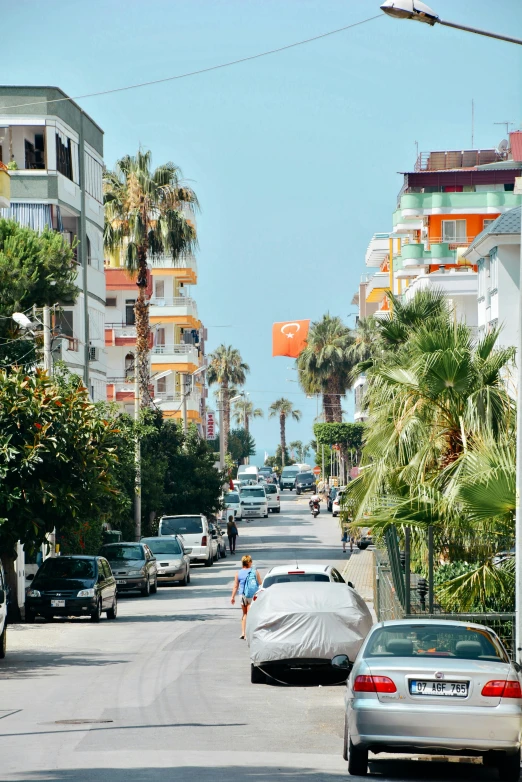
506	123
472	124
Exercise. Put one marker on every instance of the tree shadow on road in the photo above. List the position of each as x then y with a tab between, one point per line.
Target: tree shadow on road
28	665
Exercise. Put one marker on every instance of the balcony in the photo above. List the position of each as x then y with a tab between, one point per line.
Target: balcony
453	282
171	405
377	286
378	249
184	268
415	205
182	358
118	334
5	187
181	309
415	254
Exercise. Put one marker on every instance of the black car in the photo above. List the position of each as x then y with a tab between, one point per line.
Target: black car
72	586
332	494
134	566
305	481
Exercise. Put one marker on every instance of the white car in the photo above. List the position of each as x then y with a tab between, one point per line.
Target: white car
253	502
311	572
232	507
272	496
3	613
197	539
337	503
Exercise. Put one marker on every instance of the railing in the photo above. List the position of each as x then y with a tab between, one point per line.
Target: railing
387	604
380	280
177	301
185	261
166	396
121	330
445	160
176	350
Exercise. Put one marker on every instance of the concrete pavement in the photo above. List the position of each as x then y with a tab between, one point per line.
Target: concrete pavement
164	692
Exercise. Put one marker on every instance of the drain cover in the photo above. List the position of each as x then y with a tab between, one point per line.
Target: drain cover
80	722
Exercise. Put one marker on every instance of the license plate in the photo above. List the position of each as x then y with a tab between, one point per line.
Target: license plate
449	689
57	603
120	581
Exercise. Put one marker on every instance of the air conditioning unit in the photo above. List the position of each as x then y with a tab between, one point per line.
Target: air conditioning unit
94	354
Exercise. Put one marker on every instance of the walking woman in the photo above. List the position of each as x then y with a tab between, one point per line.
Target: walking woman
232	533
246	583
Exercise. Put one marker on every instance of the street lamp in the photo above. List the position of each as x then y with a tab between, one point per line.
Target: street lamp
414	9
420	12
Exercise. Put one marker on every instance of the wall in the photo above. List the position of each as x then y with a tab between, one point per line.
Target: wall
475	223
508	293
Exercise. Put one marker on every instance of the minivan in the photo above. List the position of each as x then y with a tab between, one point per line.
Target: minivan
288	476
197	539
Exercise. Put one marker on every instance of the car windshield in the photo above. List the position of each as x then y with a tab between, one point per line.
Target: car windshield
444	640
120	553
253	492
305	477
56	567
290	472
286	578
163	546
181	525
270	488
232	499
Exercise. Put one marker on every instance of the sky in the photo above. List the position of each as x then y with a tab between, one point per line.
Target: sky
294	157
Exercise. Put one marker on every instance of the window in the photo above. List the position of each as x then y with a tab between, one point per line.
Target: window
88	251
64	323
493	269
63	155
488	221
122	553
129	365
161	385
481	279
181	525
34	153
165	547
160	289
160	337
428	641
110	302
93	178
453	230
130	318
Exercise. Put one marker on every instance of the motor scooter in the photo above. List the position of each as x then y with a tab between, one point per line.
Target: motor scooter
314	508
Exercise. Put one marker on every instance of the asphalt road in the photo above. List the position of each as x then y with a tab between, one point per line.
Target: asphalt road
164	692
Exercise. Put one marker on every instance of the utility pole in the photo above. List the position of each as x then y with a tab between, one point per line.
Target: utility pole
137	454
221	431
47	358
184	402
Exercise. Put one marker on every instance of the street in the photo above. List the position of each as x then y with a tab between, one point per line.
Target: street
164	692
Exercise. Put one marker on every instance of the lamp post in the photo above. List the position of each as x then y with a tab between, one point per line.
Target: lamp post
414	9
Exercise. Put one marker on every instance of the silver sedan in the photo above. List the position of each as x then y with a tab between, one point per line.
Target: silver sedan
433	687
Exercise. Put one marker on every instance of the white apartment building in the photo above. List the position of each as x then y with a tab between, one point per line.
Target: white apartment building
54	151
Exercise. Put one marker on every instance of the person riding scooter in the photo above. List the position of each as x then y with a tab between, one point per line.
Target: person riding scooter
315	502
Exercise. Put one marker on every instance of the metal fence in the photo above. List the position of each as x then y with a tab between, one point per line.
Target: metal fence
387	603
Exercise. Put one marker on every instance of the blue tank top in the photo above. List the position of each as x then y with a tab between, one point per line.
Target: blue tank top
242	577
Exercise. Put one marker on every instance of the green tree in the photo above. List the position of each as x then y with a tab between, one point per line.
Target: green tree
145	218
283	408
227	368
241	445
300	450
325	364
243	411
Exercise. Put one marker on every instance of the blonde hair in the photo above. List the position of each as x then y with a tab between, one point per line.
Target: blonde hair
246	560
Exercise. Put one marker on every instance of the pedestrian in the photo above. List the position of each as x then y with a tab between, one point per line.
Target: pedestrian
344	539
352	541
232	533
246	583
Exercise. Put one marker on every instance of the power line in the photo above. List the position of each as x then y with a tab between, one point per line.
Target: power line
201	70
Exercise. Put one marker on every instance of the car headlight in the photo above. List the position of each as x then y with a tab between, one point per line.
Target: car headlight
176	564
33	593
136	572
85	593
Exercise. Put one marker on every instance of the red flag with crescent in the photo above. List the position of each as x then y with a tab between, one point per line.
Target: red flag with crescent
289	337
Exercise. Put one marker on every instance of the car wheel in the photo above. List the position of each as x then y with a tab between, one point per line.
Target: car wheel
210	561
357	760
184	581
278	510
265	516
224	552
112	613
216	558
298	491
188	575
96	614
256	676
509	768
145	592
3	643
345	742
154	587
29	617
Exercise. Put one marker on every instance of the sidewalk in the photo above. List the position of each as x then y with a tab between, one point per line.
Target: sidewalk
359	570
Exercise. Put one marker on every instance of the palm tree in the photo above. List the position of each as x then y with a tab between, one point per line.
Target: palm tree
283	408
244	410
300	449
325	364
144	219
294	446
226	367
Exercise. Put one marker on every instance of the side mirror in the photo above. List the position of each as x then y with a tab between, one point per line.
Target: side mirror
29	577
349	583
2	596
214	534
342	662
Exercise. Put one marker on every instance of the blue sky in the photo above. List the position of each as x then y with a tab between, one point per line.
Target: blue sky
295	156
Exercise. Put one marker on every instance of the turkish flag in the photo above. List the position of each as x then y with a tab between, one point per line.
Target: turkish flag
289	337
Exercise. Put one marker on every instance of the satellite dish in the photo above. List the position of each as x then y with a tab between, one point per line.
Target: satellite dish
503	146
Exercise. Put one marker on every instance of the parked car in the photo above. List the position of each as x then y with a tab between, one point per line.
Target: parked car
134	566
302	574
3	613
172	560
231	502
330	497
272	496
303	626
217	535
337	503
305	481
253	502
72	586
198	542
436	687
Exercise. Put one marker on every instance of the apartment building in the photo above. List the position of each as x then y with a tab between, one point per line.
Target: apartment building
177	338
54	153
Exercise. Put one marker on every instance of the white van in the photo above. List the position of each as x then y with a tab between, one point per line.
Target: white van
248	472
253	502
3	613
197	539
